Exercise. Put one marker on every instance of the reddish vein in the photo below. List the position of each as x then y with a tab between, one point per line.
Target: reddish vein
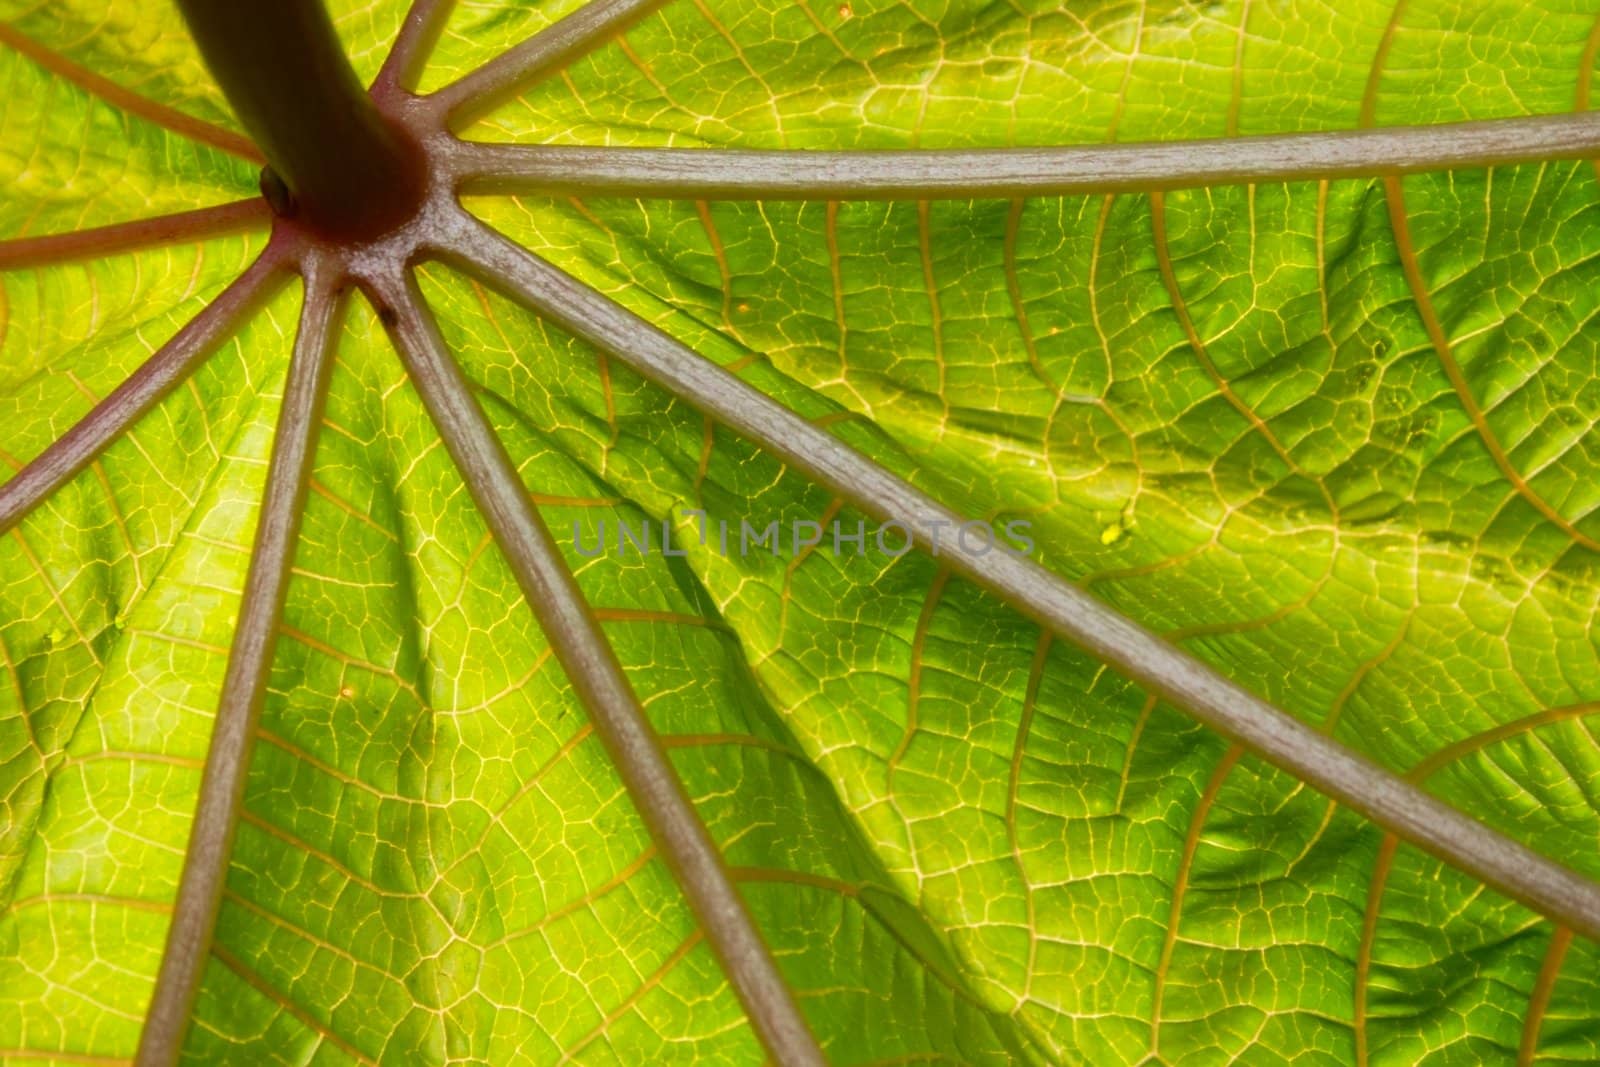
180	227
1539	999
723	174
171	364
1400	223
597	676
1283	740
210	849
1384	863
131	102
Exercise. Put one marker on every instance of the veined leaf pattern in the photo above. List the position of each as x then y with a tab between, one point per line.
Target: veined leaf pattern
1336	438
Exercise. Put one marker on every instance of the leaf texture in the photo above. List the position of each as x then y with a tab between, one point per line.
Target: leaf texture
1338	439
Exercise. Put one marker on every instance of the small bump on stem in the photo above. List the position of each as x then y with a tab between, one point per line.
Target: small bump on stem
277	194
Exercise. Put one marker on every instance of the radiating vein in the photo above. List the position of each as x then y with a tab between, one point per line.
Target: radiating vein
126	100
1283	740
202	223
142	390
556	46
244	685
764	174
597	676
424	21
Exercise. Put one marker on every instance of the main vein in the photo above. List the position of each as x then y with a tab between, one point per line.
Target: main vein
597	676
200	224
117	413
127	100
420	30
543	53
1283	740
205	868
788	174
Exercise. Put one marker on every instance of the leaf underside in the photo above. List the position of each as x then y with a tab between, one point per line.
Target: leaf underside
1335	438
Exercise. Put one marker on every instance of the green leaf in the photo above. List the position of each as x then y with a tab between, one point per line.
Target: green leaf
1335	438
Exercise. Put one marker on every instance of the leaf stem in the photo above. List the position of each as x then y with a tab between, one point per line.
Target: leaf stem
280	64
586	28
727	174
142	390
1283	740
596	675
205	868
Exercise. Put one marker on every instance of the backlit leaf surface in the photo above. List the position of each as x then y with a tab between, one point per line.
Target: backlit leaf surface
1338	439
